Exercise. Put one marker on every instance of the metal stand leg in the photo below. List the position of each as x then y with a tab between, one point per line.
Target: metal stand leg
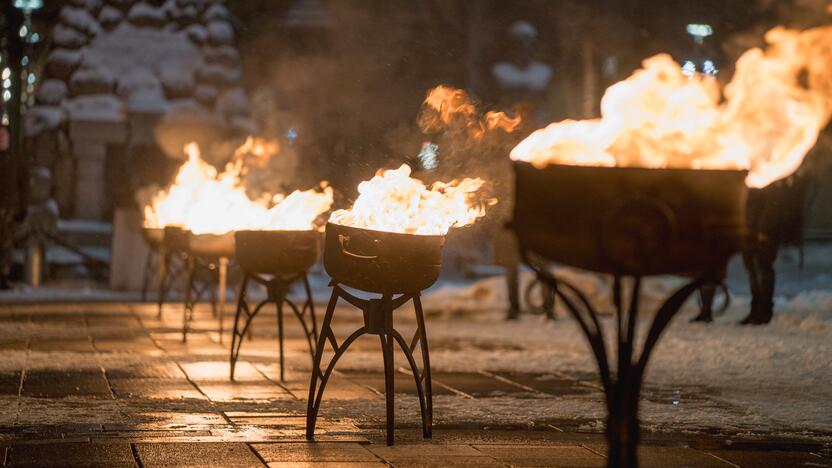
280	338
378	320
164	265
240	327
389	383
190	299
277	289
622	388
146	273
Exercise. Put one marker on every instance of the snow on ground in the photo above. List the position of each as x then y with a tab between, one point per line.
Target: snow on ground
774	378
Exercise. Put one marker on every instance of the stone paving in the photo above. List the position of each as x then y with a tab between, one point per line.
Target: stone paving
112	385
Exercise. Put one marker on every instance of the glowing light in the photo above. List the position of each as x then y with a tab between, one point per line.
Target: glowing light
699	30
6	73
770	117
392	201
28	5
207	202
689	68
7	95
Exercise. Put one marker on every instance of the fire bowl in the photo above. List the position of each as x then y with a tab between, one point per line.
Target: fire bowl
211	245
203	245
153	236
277	252
630	221
175	238
382	262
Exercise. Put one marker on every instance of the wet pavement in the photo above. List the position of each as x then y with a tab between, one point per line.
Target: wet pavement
113	385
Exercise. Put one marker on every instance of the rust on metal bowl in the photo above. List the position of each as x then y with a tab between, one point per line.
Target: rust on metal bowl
382	262
630	221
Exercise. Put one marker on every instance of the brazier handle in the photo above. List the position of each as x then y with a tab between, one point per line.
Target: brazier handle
344	240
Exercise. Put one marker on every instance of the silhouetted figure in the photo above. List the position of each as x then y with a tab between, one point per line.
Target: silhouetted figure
14	190
521	84
775	217
707	293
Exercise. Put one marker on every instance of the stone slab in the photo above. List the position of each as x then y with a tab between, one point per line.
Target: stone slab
72	454
315	452
57	384
768	458
230	454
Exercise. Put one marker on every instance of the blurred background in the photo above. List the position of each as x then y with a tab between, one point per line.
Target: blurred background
101	95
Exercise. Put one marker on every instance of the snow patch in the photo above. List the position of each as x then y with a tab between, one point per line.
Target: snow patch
51	92
95	108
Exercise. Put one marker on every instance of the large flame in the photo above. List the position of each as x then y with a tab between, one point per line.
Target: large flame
773	110
206	202
393	201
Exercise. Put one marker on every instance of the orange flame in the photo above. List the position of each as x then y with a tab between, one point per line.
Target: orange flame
205	202
774	108
255	152
392	201
452	108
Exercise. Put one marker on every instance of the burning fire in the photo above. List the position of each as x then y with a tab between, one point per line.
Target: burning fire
446	107
206	202
392	201
772	112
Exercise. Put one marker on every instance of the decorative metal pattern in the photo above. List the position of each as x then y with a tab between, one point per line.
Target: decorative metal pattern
378	320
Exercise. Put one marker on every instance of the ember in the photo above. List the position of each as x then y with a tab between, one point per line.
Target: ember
393	201
207	202
774	108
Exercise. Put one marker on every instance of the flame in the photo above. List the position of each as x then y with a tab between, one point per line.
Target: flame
451	108
772	112
206	202
255	152
392	201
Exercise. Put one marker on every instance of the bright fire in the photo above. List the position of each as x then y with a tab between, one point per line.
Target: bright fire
393	201
446	107
772	112
207	202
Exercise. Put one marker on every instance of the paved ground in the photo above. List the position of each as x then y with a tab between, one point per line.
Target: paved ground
110	385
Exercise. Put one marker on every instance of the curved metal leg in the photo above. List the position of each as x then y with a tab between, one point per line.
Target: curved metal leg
316	390
162	292
427	416
148	267
311	303
236	332
190	299
621	388
389	383
311	335
378	320
280	338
